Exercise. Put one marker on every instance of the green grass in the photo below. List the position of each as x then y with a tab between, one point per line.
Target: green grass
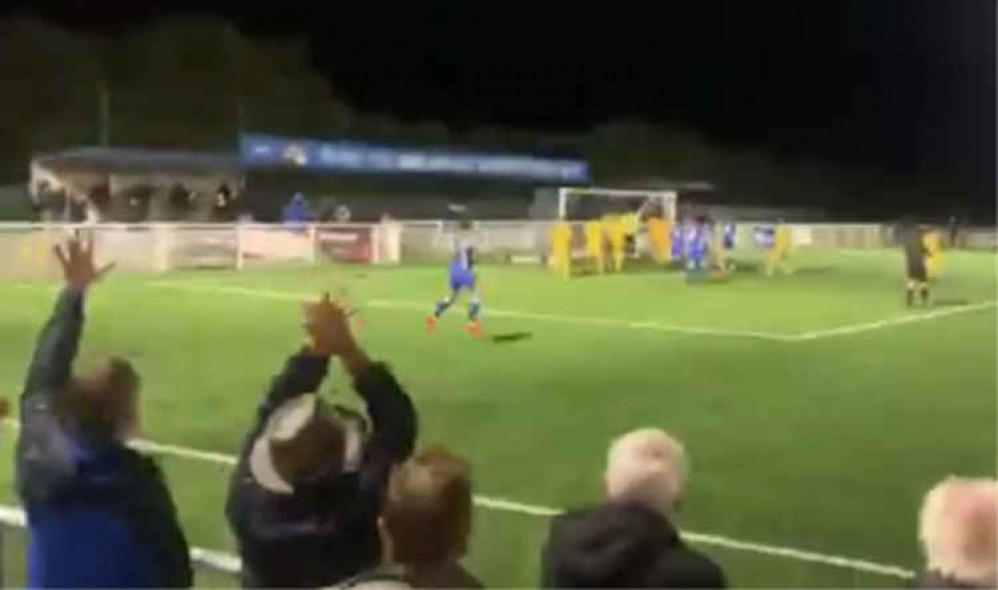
824	445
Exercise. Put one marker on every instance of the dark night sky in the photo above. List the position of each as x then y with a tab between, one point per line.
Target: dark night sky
904	86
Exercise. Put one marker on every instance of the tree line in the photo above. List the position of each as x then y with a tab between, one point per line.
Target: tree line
195	82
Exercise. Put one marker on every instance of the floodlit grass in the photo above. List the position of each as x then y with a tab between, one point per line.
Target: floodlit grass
824	445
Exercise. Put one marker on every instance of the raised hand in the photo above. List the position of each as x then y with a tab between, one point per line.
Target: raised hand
77	261
327	327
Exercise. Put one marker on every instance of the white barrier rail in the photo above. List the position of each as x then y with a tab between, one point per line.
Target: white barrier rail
160	247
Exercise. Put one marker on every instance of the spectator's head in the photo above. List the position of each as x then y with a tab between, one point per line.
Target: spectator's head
304	440
427	512
105	402
957	527
646	466
622	545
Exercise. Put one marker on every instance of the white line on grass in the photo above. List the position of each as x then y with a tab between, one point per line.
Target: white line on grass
415	306
598	321
895	321
230	563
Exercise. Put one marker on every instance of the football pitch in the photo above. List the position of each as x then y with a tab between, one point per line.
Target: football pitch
815	408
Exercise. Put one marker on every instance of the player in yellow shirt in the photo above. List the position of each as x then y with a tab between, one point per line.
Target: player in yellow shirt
594	244
659	235
716	256
779	254
561	249
616	234
631	222
932	240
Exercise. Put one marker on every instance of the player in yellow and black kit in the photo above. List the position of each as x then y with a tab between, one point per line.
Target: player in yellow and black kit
594	244
914	257
934	253
561	249
779	253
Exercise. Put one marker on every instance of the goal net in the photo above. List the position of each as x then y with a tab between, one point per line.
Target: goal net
578	207
587	203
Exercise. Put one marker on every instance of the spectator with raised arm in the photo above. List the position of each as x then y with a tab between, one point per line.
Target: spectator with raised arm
309	486
630	540
99	513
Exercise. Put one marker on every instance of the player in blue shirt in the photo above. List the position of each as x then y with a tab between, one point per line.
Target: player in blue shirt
729	236
696	250
677	241
462	276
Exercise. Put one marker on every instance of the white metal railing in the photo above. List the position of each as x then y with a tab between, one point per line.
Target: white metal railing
159	247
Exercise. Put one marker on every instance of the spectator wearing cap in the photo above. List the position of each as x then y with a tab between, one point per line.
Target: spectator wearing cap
99	513
630	541
309	485
957	528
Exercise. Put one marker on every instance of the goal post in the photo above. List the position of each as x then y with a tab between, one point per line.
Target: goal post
584	203
604	226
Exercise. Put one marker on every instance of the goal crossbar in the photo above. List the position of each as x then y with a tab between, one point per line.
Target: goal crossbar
666	199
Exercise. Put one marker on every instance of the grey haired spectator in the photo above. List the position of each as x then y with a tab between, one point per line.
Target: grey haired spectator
957	528
629	541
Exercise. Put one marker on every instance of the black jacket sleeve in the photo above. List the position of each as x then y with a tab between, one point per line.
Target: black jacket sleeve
393	436
52	362
392	414
43	453
151	509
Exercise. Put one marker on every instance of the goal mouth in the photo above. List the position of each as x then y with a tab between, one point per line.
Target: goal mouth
587	203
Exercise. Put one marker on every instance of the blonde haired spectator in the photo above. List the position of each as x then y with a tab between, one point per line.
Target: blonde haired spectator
646	466
427	518
424	526
957	528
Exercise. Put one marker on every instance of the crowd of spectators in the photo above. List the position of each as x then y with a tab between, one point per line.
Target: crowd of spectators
325	496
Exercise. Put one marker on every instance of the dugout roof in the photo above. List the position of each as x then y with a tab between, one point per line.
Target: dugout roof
114	160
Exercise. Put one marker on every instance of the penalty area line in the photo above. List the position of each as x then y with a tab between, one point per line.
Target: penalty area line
894	321
491	311
231	564
611	322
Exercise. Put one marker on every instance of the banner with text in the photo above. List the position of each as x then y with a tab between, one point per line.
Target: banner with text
349	156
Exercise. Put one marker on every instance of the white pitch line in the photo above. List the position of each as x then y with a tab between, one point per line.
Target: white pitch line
415	306
895	321
227	562
600	321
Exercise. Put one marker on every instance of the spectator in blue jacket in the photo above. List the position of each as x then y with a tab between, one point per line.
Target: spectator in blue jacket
297	211
311	480
99	513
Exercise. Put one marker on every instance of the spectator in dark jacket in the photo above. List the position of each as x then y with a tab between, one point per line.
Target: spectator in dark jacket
305	497
957	526
99	514
427	520
629	541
